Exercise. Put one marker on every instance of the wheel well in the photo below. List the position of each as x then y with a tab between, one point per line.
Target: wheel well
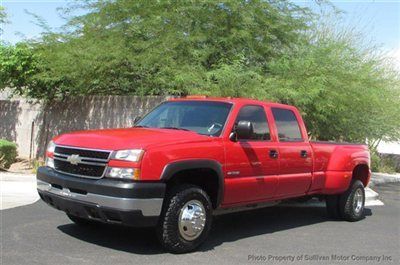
205	178
361	172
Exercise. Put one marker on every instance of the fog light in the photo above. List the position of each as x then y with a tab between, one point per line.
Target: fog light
123	173
49	162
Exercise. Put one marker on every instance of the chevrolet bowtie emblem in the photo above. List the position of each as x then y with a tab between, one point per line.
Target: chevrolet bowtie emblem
74	159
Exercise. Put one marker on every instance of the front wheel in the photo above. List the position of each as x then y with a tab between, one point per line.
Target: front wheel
185	221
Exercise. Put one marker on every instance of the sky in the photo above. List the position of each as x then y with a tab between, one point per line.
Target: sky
379	20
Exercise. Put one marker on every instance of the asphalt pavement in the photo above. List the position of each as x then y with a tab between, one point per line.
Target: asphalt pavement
38	234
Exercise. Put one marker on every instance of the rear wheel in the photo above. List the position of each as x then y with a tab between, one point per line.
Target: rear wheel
348	205
351	203
185	221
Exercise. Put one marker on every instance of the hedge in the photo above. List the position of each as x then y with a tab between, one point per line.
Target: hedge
8	153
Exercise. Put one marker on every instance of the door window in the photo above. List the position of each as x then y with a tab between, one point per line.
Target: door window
287	125
255	115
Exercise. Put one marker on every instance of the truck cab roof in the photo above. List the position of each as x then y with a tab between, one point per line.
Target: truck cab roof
233	100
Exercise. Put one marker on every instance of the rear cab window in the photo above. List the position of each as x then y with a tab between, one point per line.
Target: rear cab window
287	125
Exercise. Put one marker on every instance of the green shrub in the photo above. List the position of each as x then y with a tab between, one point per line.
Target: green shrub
382	164
375	162
8	153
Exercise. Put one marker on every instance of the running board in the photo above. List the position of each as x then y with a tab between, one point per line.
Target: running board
247	207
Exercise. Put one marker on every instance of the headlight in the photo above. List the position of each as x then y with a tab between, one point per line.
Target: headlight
133	155
51	147
123	173
49	162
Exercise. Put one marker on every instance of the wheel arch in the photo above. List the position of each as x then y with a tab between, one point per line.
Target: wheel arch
205	173
362	172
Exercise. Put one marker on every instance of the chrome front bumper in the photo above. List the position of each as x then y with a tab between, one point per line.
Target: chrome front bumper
148	206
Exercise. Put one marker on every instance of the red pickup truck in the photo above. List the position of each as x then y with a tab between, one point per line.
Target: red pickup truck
191	158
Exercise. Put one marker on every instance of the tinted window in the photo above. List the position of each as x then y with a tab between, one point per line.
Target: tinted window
287	125
204	117
256	115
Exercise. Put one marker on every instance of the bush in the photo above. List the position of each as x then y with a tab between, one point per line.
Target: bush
8	153
382	164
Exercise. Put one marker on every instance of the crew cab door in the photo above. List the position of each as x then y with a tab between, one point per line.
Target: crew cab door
295	153
251	166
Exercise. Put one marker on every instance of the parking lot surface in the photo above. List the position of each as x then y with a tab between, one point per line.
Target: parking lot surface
38	234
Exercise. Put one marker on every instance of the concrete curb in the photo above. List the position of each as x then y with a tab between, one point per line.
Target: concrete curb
372	198
382	178
17	190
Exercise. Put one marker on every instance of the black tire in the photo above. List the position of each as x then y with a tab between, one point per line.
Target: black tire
332	206
168	229
81	221
348	202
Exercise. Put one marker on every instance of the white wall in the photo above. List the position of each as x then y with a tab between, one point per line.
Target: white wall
389	148
79	113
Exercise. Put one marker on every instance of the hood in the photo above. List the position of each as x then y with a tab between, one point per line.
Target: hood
130	138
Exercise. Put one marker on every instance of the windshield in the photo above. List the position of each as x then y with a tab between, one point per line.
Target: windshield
203	117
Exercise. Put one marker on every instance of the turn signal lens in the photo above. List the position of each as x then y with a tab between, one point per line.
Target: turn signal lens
123	173
49	162
51	147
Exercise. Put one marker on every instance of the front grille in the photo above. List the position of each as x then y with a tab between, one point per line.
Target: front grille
84	162
82	152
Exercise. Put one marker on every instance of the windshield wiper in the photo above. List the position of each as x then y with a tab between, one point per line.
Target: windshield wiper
140	126
174	128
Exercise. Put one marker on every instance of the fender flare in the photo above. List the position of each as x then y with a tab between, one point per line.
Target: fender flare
172	168
367	179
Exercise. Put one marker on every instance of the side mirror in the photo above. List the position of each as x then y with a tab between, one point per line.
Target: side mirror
244	130
136	119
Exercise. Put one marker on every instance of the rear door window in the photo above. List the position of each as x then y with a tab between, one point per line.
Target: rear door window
287	125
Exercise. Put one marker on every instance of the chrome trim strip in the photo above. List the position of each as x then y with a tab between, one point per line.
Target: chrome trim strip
83	157
82	162
149	207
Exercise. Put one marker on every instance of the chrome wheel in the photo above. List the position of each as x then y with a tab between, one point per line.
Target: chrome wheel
358	201
192	219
